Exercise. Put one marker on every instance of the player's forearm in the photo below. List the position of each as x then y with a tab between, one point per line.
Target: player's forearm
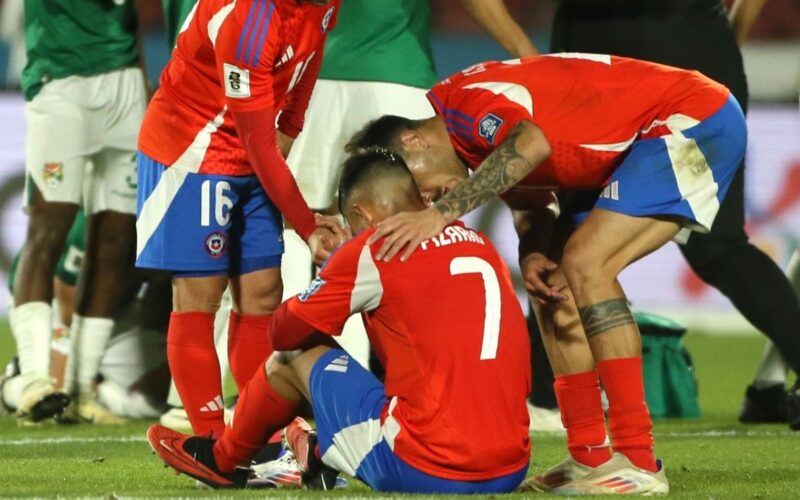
256	131
288	332
522	150
743	15
493	17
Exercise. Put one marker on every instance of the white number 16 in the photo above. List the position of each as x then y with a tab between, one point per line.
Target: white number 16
491	287
222	206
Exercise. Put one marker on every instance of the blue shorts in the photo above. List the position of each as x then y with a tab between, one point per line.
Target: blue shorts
204	225
348	401
685	174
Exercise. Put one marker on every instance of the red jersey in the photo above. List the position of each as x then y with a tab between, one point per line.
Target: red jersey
448	328
242	55
591	108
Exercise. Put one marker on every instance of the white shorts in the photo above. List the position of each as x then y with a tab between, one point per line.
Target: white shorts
338	109
81	140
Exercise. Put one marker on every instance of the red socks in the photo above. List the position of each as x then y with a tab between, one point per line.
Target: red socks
248	346
259	413
629	420
195	369
578	398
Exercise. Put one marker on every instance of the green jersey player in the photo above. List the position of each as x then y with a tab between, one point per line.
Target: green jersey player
378	60
175	13
85	100
133	366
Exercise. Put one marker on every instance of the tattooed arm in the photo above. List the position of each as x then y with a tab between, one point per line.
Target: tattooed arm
516	157
523	149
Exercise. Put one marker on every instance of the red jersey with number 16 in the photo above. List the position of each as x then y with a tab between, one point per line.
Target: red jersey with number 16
450	332
591	108
241	55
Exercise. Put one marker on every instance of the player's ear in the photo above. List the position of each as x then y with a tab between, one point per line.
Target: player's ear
365	218
413	140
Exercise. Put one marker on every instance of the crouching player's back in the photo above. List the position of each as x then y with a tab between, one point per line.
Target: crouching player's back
451	414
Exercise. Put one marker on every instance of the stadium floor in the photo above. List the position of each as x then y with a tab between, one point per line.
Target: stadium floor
710	457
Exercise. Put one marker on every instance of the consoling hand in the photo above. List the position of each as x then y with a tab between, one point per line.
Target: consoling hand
407	230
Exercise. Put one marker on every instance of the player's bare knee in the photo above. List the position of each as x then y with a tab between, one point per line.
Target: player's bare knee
188	296
583	267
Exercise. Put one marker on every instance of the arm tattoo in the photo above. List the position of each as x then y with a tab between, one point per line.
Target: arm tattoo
603	316
501	170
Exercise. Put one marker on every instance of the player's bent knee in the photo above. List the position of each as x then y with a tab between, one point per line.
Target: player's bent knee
198	294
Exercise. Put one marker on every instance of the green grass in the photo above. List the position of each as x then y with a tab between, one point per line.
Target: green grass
710	457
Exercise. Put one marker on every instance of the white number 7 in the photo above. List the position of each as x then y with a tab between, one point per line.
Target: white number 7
491	322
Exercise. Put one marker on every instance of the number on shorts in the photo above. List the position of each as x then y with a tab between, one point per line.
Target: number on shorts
491	288
222	205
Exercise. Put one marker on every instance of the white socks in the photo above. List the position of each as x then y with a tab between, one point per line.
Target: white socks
31	324
12	391
89	337
772	368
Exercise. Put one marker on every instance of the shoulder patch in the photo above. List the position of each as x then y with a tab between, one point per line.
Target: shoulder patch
237	81
313	288
488	127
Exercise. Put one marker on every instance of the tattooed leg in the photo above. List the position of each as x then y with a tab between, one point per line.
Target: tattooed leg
603	316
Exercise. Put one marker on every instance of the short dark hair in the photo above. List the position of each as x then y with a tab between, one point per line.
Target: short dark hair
368	164
383	132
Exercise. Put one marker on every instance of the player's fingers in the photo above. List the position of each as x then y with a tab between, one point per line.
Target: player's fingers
412	245
384	229
397	241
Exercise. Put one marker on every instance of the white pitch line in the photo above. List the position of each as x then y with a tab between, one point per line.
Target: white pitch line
71	440
142	439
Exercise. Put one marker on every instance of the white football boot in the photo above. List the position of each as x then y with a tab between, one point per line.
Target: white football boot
618	476
40	400
556	476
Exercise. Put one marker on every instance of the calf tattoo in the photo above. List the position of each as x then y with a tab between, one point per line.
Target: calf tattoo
603	316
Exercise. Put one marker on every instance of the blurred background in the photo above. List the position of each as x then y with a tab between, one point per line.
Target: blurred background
661	283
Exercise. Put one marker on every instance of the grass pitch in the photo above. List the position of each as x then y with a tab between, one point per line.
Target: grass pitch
710	457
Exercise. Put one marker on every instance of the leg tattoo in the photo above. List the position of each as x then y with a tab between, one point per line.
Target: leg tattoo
604	316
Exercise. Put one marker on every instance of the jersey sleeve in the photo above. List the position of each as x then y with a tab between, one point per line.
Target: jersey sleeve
291	120
480	115
246	44
348	283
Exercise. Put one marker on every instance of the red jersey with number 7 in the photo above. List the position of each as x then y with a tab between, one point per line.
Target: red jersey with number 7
591	108
241	55
449	329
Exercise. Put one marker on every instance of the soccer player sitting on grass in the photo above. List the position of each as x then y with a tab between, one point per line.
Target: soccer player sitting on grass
664	144
447	325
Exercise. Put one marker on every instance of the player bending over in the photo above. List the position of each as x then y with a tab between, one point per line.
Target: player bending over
451	416
665	143
213	182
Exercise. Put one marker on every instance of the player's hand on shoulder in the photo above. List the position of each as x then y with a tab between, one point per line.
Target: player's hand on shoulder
407	230
536	269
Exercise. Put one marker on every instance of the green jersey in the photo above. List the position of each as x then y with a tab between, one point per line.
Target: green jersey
69	265
175	12
77	37
381	41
